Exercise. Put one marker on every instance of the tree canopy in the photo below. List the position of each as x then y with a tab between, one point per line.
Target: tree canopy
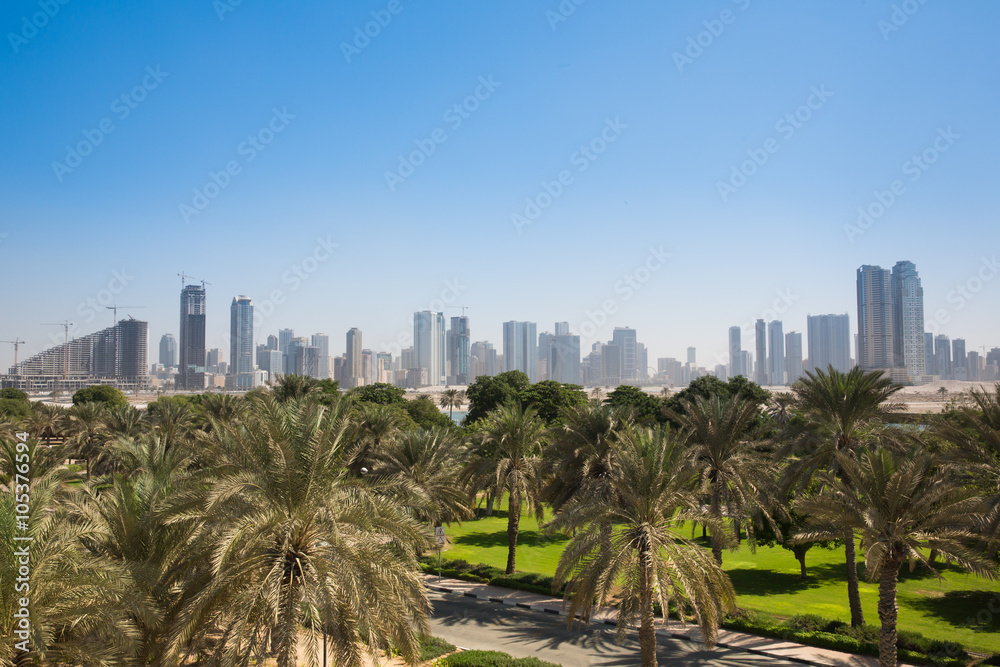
100	393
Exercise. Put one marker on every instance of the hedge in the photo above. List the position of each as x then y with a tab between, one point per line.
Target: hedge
491	659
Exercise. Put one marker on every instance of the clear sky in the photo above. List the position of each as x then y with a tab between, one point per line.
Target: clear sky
717	153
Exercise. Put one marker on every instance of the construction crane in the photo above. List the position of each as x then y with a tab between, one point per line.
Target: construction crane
183	276
16	343
115	309
65	324
464	308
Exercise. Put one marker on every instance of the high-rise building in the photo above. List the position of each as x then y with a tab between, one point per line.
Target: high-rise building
191	351
272	342
168	350
829	342
285	337
459	342
624	338
793	356
735	352
973	364
958	366
429	345
642	361
562	328
241	342
760	340
908	320
520	348
484	360
776	360
213	358
930	365
692	355
322	344
611	370
354	376
367	367
942	357
564	358
747	362
875	330
383	367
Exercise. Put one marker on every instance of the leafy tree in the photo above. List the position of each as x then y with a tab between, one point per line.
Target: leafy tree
488	393
901	506
709	386
294	542
646	408
550	398
380	393
15	394
643	560
507	459
426	415
789	522
15	408
843	414
100	393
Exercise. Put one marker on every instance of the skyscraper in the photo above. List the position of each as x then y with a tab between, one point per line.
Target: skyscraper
168	350
625	339
908	320
692	356
776	360
760	340
875	330
735	352
520	348
564	357
929	363
191	351
459	349
429	345
322	344
562	328
942	357
241	342
353	374
285	337
829	342
958	367
793	356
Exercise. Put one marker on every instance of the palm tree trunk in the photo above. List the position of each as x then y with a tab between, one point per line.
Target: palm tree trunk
853	592
716	538
647	632
513	525
888	611
800	555
489	504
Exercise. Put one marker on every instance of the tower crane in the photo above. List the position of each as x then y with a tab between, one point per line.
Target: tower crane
16	343
65	324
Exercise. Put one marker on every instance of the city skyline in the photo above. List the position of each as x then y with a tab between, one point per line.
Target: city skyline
644	216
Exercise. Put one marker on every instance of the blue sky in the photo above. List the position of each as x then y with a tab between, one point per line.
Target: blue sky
669	99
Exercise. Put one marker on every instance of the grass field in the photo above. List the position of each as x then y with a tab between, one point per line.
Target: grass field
768	581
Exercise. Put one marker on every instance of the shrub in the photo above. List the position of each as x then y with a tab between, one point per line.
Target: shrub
491	659
434	647
16	394
808	623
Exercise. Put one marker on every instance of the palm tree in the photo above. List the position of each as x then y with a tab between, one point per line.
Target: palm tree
901	506
172	420
781	407
291	386
647	561
88	433
597	394
452	398
428	464
507	459
294	542
125	421
976	437
46	422
374	427
734	473
843	413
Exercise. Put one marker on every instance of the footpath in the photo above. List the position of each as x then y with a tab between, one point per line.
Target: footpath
774	648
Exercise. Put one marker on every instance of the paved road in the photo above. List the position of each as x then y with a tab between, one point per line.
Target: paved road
477	624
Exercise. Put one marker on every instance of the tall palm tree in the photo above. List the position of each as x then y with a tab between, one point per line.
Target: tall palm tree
46	422
901	506
507	458
844	413
452	398
88	433
734	473
294	542
374	427
781	406
647	561
976	437
291	386
125	421
172	420
428	464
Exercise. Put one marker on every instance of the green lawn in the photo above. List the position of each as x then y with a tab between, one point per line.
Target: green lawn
768	581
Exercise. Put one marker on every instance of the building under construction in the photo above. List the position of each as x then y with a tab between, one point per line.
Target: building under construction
114	356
